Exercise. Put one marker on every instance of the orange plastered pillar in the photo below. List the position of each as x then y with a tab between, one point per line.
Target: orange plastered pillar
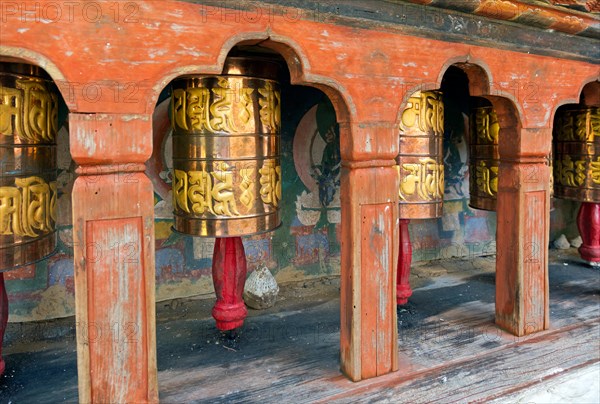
113	232
369	189
522	297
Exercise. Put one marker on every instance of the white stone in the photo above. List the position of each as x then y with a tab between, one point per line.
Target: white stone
576	242
562	243
261	289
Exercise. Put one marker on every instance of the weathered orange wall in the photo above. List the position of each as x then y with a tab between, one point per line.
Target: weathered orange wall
368	74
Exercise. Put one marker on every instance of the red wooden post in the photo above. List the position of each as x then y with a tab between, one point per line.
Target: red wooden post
588	222
229	276
403	290
3	317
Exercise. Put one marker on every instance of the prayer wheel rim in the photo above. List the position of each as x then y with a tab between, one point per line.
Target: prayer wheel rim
24	69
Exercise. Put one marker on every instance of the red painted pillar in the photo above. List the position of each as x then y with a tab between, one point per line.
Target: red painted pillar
229	276
3	317
588	222
403	290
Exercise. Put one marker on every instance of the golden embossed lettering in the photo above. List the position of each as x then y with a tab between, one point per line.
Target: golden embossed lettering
222	191
270	180
10	211
221	109
425	110
198	108
11	111
29	209
178	109
200	191
570	173
36	205
270	103
487	126
486	178
247	196
40	112
180	190
595	171
425	179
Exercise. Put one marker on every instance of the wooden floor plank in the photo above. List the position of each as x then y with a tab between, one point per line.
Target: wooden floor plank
449	348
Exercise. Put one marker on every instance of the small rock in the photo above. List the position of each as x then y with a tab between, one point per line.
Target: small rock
562	243
576	242
261	289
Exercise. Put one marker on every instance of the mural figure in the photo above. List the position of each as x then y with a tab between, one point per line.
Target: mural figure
318	163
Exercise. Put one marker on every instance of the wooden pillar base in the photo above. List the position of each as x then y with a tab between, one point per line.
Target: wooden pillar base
403	290
229	277
368	333
588	222
3	318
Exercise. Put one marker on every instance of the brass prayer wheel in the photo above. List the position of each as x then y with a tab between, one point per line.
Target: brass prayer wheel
28	129
484	158
226	150
420	162
577	154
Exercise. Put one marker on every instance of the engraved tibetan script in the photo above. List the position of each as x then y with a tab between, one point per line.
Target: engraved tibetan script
29	111
217	189
29	208
201	191
486	126
577	126
425	111
227	107
270	179
425	179
486	178
573	173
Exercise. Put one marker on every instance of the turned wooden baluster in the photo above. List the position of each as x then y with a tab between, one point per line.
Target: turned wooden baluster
3	317
403	290
588	222
229	276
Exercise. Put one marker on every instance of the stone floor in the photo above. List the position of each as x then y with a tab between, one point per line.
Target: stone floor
449	348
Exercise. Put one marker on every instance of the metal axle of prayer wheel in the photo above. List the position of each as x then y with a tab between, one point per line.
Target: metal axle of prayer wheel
421	169
484	158
576	168
227	168
28	171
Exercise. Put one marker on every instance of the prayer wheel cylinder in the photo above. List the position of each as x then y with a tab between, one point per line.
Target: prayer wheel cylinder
226	150
484	158
28	129
420	162
577	154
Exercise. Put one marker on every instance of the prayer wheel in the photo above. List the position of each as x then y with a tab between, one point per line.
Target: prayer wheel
28	129
577	154
420	162
226	150
484	158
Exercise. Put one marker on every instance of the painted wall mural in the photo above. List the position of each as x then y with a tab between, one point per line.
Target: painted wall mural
306	245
